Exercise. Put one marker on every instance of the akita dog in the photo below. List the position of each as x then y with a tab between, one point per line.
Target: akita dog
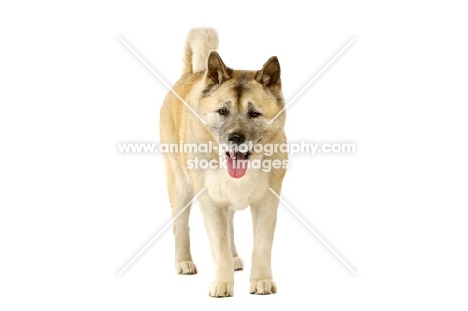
214	103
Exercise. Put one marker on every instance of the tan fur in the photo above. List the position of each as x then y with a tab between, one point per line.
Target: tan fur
208	88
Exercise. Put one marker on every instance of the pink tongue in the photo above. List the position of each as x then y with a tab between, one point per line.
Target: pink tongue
236	165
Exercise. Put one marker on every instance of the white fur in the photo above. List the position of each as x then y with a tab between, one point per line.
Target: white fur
239	190
200	42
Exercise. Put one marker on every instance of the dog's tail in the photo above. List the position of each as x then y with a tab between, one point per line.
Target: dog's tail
200	42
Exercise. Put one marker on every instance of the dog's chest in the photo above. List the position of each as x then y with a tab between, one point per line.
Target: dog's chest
238	192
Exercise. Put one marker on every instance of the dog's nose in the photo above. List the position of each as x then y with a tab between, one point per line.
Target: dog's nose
236	138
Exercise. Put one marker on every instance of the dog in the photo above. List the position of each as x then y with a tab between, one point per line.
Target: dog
232	108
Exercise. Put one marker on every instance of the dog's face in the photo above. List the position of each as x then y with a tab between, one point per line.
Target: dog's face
238	106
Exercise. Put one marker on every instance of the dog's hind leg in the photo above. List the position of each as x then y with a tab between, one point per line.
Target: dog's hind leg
180	194
237	261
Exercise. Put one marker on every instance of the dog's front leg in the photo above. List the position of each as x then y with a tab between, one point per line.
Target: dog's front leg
216	217
264	223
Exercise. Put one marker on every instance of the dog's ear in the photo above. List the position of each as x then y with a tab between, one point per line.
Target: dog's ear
216	71
270	75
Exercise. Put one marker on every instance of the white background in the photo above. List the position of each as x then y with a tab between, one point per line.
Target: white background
73	211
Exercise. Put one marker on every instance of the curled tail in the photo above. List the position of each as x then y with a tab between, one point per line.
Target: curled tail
200	42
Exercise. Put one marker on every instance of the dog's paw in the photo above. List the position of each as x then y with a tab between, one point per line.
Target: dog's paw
186	267
262	287
238	263
222	289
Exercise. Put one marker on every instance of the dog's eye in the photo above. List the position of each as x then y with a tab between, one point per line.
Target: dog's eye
223	111
254	114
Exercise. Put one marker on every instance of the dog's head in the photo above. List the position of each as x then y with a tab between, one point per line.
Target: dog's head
238	106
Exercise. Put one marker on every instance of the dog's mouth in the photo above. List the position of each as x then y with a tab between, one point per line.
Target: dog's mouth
237	163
